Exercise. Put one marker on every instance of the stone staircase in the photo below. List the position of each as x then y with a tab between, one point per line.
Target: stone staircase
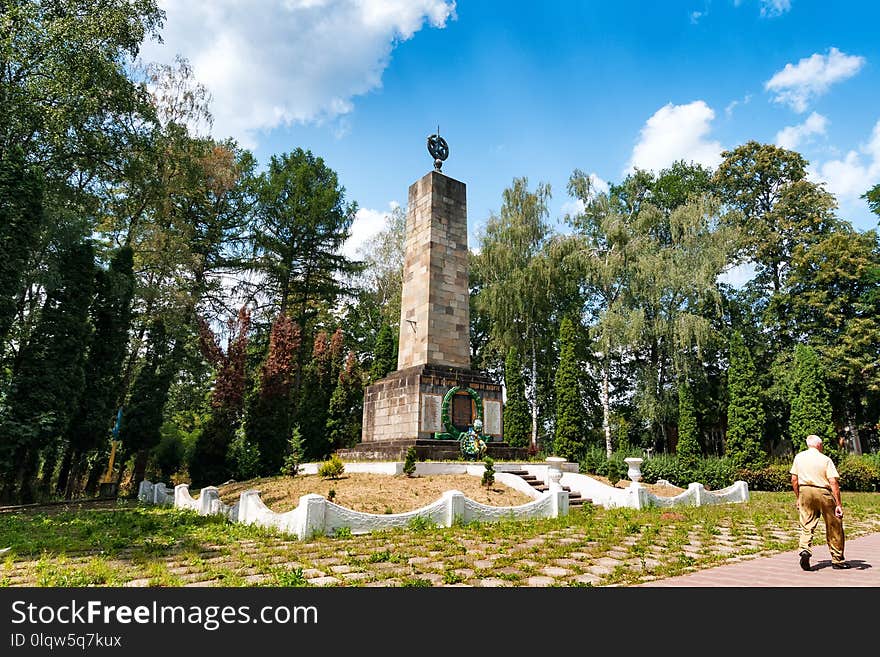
574	499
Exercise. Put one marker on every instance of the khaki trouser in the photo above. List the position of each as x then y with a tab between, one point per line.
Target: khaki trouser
818	503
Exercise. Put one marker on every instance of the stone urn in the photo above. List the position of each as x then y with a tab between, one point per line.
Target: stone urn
634	471
554	472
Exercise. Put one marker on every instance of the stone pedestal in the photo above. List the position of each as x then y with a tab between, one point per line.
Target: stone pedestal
409	403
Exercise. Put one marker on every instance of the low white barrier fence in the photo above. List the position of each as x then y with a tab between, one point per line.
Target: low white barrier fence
316	515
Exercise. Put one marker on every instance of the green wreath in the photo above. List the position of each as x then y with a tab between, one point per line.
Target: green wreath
451	432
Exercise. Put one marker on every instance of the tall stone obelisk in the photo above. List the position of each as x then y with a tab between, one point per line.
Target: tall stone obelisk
435	303
434	394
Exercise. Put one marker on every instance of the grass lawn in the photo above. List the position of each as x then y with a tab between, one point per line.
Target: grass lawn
137	545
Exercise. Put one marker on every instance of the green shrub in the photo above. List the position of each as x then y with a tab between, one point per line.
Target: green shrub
489	472
593	460
294	454
332	468
714	473
774	477
668	467
616	468
859	474
409	464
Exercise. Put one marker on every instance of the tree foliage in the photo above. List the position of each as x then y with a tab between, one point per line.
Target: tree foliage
810	406
745	413
516	410
571	426
688	447
269	416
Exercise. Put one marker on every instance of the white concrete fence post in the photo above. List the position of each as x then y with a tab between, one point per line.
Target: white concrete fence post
313	522
206	500
699	492
454	507
181	492
560	503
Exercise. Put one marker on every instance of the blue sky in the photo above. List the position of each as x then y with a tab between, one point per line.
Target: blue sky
537	89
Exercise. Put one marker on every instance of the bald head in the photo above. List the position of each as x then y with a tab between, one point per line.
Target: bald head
814	441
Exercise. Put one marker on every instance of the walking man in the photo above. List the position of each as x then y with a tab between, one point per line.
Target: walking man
814	479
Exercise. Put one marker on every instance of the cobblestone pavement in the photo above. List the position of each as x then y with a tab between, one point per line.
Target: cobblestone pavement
565	556
783	569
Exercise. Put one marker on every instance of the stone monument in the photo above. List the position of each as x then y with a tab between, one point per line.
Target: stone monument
433	396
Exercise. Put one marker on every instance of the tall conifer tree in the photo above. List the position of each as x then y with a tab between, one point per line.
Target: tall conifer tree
570	438
688	447
745	414
48	377
517	423
96	411
810	407
269	414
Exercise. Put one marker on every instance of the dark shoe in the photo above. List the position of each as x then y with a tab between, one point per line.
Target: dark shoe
805	560
843	565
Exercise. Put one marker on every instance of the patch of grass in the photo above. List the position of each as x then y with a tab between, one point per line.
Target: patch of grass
385	556
289	577
421	523
452	577
342	532
417	582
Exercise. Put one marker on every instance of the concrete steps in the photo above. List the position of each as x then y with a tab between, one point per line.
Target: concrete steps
574	499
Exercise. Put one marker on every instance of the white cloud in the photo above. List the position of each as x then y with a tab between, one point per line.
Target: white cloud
797	84
738	275
367	223
771	8
792	136
572	208
695	17
676	132
274	62
732	105
856	173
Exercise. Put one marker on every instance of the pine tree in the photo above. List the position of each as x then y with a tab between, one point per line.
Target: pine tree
745	414
384	354
269	414
810	406
569	441
96	411
49	377
517	422
344	414
688	448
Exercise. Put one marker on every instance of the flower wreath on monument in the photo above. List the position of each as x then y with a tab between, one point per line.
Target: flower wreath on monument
471	442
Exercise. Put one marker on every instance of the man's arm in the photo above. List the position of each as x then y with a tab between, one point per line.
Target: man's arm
835	493
795	487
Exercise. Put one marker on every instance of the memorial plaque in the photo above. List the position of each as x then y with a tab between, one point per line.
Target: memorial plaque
432	406
492	418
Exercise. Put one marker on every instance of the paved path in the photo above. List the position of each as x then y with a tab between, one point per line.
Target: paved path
783	569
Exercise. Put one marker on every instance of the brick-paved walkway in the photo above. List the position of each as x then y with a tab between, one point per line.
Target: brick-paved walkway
783	569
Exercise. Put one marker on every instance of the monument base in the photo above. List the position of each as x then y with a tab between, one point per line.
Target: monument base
426	450
419	402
